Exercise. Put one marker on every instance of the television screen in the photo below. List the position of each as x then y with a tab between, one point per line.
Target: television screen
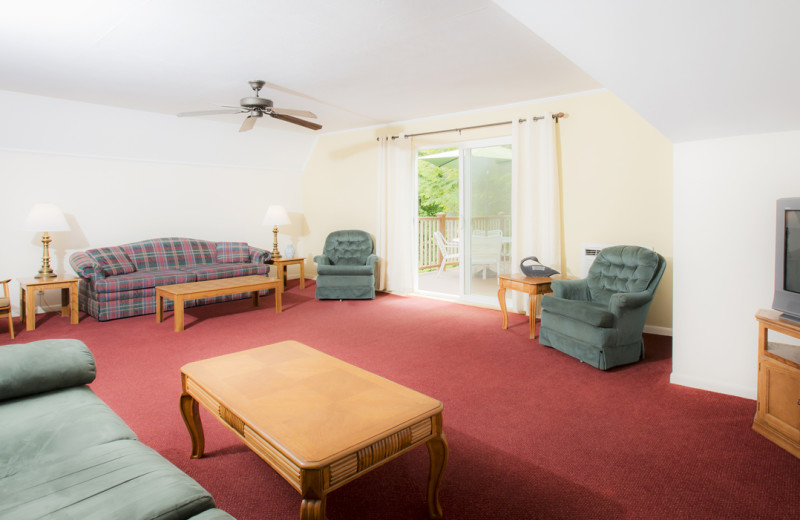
791	274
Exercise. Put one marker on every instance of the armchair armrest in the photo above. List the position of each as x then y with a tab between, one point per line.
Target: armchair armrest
322	260
571	289
41	366
372	259
628	301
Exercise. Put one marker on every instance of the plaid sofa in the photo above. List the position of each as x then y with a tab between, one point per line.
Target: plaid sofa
119	281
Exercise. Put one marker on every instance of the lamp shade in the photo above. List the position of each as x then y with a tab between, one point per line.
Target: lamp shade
46	217
276	216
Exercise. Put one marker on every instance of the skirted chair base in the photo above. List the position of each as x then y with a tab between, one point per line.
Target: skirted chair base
599	357
345	288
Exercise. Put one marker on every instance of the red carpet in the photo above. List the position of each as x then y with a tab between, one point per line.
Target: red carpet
533	433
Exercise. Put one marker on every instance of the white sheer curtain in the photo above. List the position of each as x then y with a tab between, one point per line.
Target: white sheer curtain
397	209
536	196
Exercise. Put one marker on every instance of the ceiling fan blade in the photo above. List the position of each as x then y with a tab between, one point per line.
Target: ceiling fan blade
293	112
297	121
248	124
208	112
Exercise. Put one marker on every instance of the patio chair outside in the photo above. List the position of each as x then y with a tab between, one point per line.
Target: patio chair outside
449	250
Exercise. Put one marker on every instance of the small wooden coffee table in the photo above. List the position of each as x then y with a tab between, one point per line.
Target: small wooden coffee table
534	286
318	421
182	292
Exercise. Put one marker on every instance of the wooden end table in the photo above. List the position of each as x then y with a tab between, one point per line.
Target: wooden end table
316	420
282	263
180	293
27	297
534	286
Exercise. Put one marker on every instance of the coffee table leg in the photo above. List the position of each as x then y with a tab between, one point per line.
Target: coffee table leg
437	449
177	313
313	505
278	294
191	417
159	307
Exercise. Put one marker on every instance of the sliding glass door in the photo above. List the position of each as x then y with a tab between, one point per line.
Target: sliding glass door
464	227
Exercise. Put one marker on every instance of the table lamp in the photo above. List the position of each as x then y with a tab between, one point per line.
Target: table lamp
276	216
46	218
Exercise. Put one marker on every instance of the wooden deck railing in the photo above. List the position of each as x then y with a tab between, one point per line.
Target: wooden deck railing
429	254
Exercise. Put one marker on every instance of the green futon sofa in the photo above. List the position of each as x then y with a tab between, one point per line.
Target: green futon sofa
64	454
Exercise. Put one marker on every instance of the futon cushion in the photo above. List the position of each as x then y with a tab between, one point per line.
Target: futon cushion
42	429
41	366
118	479
112	260
232	252
4	301
590	313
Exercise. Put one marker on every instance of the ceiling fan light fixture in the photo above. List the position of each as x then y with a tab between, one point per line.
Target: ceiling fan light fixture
256	107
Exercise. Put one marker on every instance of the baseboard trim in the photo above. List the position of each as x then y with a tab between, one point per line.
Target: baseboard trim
713	386
660	331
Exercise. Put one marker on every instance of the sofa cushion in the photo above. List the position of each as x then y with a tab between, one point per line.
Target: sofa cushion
214	271
143	280
198	252
39	430
145	255
118	479
232	252
41	366
112	260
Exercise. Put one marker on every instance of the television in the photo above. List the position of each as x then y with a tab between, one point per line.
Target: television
787	259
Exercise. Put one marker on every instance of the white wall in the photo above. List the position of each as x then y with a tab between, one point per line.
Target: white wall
724	248
121	176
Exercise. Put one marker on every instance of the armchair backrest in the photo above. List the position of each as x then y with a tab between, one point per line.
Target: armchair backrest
624	269
348	247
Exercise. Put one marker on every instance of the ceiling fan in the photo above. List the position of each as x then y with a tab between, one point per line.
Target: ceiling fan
256	107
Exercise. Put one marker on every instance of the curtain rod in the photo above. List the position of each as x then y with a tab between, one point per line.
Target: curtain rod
521	120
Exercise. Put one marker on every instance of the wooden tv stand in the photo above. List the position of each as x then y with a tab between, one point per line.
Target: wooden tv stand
778	407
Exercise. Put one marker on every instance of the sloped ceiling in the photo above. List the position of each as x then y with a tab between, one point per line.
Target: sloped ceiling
354	63
695	69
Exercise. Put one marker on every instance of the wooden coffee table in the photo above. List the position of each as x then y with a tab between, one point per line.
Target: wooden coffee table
183	292
318	421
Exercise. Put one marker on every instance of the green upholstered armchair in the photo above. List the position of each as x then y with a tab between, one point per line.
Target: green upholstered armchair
346	267
600	319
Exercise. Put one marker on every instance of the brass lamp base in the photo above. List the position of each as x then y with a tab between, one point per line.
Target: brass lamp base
45	271
275	254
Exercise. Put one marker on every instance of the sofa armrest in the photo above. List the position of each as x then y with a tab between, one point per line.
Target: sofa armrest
84	266
571	289
41	366
322	260
259	256
372	260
